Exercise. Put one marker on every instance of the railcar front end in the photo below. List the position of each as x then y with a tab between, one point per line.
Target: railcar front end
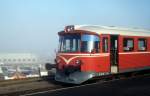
78	58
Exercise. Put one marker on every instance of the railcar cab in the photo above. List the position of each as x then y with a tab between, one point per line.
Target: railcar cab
78	41
83	54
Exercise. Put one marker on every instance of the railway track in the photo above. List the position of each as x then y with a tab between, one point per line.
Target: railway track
18	81
135	86
79	90
25	86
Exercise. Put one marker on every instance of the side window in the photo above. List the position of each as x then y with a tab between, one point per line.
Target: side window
142	44
105	44
128	44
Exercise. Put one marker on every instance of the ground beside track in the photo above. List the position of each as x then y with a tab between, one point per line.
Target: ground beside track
25	86
138	86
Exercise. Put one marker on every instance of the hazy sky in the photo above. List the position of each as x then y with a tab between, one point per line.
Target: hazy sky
32	25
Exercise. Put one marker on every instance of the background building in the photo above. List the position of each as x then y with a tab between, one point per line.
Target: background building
18	58
21	65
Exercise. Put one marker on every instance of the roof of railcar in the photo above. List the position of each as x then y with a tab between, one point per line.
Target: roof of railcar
113	30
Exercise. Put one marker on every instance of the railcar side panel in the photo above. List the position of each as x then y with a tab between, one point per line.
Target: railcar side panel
135	59
95	64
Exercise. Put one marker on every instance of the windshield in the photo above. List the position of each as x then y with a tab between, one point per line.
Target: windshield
90	43
70	43
77	43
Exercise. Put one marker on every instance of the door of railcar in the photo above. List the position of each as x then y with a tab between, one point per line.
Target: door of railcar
114	53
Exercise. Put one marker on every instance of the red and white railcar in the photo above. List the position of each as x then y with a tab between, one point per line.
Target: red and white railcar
87	51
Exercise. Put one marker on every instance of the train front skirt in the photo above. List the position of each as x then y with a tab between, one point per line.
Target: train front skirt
74	78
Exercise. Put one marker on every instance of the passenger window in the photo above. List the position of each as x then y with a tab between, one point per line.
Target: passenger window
142	44
105	44
128	44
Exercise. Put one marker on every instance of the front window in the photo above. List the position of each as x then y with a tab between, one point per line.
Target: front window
90	43
77	43
69	43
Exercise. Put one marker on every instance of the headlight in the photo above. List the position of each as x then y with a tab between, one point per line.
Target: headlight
78	62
